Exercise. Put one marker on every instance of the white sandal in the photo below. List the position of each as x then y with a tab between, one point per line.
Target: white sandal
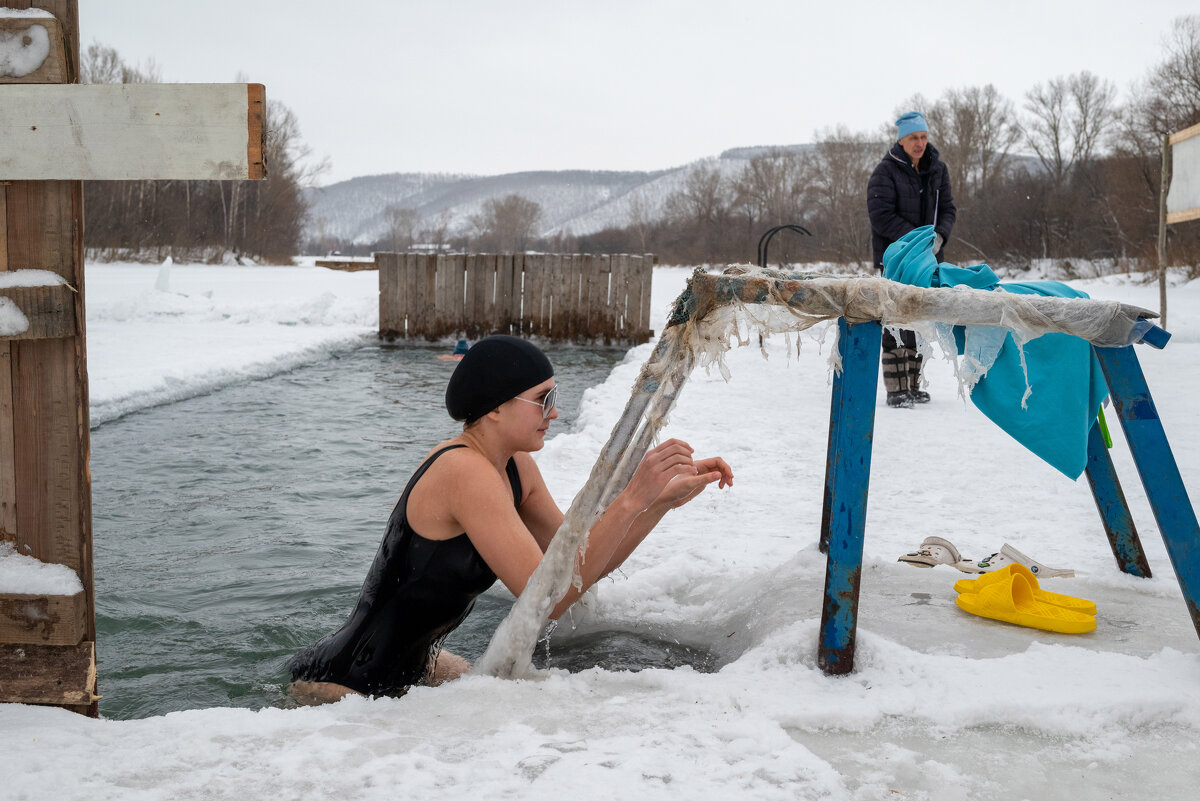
933	551
1007	556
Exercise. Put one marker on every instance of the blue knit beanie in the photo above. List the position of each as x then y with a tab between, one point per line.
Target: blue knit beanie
908	123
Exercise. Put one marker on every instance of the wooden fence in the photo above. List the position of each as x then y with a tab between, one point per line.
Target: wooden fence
559	297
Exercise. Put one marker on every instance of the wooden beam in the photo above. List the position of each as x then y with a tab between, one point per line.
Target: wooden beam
42	45
48	674
50	311
347	265
43	619
8	483
136	131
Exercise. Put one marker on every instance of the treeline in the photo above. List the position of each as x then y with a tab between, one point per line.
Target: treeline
1089	191
207	221
1067	174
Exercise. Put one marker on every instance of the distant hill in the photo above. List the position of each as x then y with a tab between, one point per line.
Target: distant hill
573	201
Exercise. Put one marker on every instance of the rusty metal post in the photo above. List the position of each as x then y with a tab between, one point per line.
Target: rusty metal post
1114	510
848	475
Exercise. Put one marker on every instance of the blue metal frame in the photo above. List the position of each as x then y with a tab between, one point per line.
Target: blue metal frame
1113	508
847	476
848	473
1156	465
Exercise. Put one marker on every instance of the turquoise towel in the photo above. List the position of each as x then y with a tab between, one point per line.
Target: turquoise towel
1067	386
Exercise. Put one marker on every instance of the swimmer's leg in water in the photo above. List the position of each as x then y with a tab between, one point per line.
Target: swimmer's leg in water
447	666
314	693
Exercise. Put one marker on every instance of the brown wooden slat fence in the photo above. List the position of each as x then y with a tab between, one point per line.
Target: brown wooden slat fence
558	297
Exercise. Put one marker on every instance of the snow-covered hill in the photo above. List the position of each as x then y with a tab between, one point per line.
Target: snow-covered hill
573	201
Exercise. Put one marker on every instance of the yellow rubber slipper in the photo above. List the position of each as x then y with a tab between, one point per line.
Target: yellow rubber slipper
1045	596
1012	601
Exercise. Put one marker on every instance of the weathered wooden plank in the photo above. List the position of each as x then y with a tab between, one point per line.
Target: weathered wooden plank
428	280
504	292
576	322
50	310
388	296
460	293
45	619
647	277
347	265
533	271
48	674
443	324
47	451
8	471
131	131
8	485
412	295
3	227
487	314
619	295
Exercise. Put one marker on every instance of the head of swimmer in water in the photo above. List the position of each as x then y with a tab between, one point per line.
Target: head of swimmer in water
495	370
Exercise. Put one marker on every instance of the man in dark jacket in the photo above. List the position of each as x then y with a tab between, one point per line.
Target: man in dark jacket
909	188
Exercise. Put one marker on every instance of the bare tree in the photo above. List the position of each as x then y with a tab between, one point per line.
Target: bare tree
769	190
1069	119
974	130
842	166
507	223
401	227
641	216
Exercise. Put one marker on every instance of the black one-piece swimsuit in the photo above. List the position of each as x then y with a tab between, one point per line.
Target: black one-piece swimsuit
416	592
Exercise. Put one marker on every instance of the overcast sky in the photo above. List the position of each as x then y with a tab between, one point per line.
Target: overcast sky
496	86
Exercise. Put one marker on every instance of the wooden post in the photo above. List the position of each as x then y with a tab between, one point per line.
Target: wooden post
57	132
1162	231
849	477
412	296
49	514
391	295
646	273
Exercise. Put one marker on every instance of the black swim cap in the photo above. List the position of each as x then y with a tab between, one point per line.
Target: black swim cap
496	369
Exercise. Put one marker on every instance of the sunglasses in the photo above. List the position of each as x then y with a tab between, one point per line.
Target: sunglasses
546	403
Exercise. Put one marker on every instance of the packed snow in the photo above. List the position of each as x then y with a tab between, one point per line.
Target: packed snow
941	704
23	575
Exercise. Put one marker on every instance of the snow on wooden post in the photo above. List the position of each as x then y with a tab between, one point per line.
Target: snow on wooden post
55	133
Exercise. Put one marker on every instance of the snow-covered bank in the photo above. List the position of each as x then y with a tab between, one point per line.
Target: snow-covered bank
942	705
158	334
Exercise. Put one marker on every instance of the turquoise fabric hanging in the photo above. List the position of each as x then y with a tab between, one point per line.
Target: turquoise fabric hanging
1064	378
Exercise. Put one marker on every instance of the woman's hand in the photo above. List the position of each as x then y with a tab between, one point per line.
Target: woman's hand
670	477
684	487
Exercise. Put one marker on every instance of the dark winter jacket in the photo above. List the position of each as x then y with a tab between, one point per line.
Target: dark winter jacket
900	199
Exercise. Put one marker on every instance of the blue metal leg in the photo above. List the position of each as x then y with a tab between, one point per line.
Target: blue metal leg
1156	465
1114	511
835	417
848	475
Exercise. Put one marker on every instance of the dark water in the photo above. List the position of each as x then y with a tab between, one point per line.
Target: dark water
234	528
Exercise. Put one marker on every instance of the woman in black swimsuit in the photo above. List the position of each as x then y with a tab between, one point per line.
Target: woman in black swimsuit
477	509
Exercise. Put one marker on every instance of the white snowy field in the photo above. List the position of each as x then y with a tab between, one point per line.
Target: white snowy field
941	705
